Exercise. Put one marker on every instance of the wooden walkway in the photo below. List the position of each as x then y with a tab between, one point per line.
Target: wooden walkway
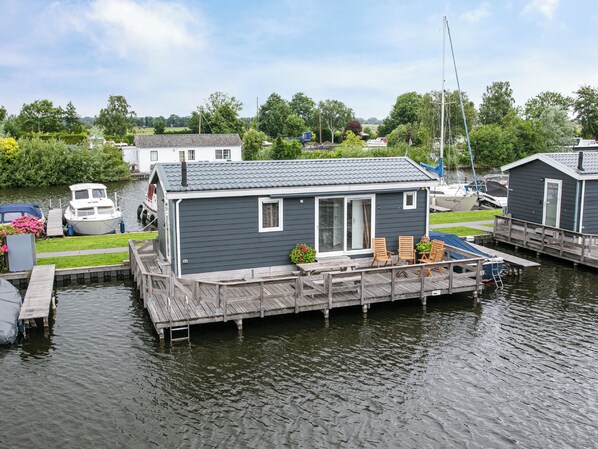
173	302
517	262
567	245
39	297
54	226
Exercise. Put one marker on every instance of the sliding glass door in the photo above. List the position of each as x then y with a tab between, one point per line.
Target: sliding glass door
344	224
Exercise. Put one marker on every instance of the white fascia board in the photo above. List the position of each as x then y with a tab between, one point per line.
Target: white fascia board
308	190
549	161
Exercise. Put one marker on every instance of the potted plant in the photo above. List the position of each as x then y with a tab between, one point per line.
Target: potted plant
302	253
423	246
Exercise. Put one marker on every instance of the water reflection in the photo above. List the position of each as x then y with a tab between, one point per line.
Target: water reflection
516	370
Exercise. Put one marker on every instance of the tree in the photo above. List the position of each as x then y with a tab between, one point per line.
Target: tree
352	140
226	120
72	123
335	115
273	115
491	145
2	113
41	117
304	107
116	118
497	103
282	150
294	126
253	142
586	110
405	110
430	113
558	130
354	126
172	120
159	125
538	104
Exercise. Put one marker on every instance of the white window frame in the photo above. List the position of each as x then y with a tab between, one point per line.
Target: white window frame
405	196
346	198
559	182
267	200
222	154
191	155
153	155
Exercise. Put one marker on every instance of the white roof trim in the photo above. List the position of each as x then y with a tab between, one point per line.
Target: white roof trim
308	190
553	163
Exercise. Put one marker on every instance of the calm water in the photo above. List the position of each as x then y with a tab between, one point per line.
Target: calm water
518	370
130	195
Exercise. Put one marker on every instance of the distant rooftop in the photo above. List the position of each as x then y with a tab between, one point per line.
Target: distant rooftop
206	176
187	140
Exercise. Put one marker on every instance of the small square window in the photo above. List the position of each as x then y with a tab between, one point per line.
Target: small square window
409	200
153	155
191	155
270	214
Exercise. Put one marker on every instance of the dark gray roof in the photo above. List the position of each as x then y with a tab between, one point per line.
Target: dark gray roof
187	140
205	176
569	160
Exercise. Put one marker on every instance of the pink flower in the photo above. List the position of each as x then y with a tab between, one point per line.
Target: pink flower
3	249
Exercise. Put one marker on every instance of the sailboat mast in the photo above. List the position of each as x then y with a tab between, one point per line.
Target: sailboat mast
441	163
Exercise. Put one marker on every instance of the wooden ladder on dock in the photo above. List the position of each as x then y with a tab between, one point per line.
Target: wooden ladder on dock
180	332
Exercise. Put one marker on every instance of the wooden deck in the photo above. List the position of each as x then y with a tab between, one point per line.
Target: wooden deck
39	298
567	245
54	223
517	262
173	302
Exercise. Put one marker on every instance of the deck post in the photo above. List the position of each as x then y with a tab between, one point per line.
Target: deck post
196	291
525	234
450	278
583	247
298	292
393	274
328	283
261	299
510	228
423	300
224	302
364	309
543	237
478	278
239	324
362	288
326	313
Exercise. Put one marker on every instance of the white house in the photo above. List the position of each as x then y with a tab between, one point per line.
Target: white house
182	147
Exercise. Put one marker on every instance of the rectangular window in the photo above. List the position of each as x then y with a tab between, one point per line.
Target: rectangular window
270	214
153	155
182	156
409	200
223	154
344	224
191	155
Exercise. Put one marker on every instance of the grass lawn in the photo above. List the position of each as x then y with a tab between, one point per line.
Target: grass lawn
91	242
90	260
462	231
458	217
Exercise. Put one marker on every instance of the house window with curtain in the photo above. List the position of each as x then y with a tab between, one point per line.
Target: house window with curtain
270	214
409	200
191	155
153	155
223	154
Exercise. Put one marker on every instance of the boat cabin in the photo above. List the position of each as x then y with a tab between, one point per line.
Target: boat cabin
555	189
247	215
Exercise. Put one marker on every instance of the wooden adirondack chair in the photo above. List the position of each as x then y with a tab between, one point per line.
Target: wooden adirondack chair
406	252
381	254
436	254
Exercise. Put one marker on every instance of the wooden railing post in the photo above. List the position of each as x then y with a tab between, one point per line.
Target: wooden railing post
393	273
298	292
362	288
583	247
478	275
225	302
510	228
450	277
525	233
262	299
328	283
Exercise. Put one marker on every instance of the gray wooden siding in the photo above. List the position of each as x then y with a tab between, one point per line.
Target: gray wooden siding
526	193
590	208
392	220
222	233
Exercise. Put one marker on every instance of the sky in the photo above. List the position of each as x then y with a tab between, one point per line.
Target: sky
167	57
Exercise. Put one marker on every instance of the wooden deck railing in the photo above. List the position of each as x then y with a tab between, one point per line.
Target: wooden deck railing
570	245
368	283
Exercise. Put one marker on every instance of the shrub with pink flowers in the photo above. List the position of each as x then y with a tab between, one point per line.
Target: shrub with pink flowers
21	225
303	254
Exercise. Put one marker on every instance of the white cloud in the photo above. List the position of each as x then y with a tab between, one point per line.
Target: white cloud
477	14
544	7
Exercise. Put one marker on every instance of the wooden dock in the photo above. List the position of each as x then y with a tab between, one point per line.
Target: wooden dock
54	226
39	297
567	245
516	262
175	303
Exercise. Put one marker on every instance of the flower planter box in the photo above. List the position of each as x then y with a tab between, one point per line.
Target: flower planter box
21	252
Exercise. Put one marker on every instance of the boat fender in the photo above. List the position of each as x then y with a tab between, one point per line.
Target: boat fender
122	227
144	216
139	209
70	230
151	219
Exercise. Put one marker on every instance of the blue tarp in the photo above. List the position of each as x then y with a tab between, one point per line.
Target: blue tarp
453	240
32	210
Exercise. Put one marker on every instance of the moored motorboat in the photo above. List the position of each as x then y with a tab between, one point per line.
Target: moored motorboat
147	211
90	211
10	306
11	211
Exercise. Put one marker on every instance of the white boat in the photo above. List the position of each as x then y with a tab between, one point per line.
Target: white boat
455	197
147	211
90	211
